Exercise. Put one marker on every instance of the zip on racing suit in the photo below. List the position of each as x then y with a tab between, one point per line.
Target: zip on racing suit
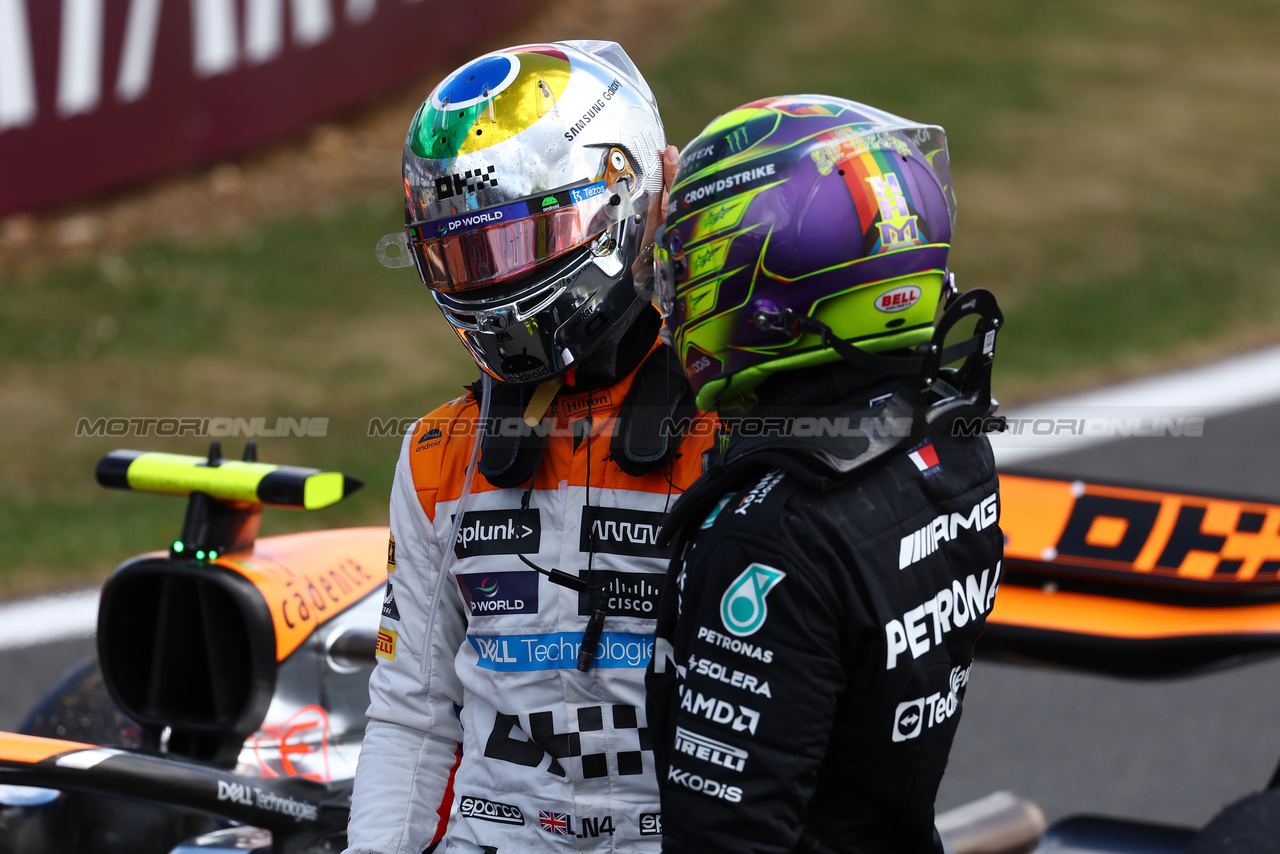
816	636
491	739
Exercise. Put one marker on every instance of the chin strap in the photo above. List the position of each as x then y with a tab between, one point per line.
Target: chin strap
971	381
937	398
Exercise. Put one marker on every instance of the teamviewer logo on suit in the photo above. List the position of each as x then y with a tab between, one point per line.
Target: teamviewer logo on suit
908	720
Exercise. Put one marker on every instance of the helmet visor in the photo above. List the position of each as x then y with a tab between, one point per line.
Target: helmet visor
484	247
669	269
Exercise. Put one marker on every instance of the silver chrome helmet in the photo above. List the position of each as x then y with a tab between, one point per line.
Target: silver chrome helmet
529	175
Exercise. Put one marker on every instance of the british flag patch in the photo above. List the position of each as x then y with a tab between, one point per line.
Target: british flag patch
554	822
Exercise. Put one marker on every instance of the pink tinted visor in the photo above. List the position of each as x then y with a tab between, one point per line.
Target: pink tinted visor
481	248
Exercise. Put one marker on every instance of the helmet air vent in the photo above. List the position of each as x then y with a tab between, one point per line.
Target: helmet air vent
539	300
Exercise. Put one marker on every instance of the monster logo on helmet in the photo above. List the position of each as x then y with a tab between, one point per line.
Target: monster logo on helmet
529	174
815	205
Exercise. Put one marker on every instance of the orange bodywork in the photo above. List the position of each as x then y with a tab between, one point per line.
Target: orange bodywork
30	749
307	579
1138	540
1106	616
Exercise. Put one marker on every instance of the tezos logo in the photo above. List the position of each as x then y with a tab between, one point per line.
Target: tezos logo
742	608
898	299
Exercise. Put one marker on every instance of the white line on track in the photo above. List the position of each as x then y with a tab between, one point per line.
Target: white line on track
1226	386
48	618
1107	414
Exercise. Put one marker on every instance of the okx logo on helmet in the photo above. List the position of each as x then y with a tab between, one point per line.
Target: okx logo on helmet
528	177
819	206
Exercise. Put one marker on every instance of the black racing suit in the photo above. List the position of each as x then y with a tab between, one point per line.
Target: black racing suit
815	639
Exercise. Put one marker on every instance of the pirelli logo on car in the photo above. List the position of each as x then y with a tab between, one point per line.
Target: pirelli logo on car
617	531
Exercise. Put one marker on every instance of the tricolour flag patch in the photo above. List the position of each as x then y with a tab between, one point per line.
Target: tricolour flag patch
926	459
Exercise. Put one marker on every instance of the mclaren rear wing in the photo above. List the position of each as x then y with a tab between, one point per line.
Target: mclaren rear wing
1134	582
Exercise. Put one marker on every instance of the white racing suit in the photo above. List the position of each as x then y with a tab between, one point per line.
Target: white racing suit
491	739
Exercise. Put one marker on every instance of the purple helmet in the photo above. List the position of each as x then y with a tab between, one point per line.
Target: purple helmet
825	207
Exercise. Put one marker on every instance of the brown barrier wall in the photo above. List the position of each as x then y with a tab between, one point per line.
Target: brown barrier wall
97	94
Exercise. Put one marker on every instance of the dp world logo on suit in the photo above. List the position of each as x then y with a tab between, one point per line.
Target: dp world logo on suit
500	592
743	609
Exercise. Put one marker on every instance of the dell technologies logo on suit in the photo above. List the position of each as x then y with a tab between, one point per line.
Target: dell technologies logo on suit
498	532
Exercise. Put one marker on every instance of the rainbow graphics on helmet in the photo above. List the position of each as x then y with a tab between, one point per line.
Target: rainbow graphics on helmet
528	177
817	205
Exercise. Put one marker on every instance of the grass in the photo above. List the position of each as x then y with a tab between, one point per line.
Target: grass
1114	163
297	320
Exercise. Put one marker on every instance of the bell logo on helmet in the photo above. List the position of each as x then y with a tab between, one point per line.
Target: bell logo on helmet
742	608
898	299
